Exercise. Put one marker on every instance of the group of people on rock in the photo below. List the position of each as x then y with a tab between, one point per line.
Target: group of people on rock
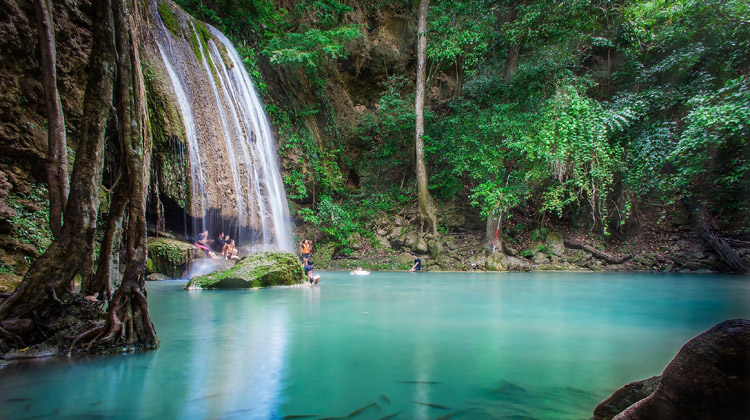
223	245
305	251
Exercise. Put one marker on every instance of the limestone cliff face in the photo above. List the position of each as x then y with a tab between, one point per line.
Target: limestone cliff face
214	163
23	134
353	85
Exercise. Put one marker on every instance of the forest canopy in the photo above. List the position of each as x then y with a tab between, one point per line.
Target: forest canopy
589	112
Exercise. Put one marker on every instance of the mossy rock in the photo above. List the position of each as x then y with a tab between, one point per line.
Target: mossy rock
171	257
322	255
264	269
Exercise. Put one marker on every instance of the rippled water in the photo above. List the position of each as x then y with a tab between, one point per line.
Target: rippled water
423	345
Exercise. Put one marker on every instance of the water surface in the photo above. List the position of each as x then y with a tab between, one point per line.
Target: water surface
423	345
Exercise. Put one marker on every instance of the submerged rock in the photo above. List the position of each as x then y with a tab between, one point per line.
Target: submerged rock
264	269
709	378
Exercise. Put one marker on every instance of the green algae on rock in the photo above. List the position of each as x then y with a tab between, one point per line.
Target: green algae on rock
171	257
264	269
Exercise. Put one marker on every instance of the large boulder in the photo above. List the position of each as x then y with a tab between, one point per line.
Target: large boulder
555	243
709	378
625	397
264	269
171	257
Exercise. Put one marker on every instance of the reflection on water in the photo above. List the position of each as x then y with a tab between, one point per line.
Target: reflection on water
391	345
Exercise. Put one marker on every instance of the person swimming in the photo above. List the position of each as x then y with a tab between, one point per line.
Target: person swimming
360	272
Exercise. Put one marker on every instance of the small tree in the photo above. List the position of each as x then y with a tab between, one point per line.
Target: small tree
425	201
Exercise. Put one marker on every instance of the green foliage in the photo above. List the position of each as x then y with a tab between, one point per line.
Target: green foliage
31	222
312	47
387	135
713	151
613	105
460	33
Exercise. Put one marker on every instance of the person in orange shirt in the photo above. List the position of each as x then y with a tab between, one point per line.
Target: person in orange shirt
305	248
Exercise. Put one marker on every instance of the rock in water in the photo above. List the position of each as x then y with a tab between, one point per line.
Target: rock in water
263	269
170	257
625	397
709	378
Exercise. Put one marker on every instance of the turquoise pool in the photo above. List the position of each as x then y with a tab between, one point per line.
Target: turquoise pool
417	345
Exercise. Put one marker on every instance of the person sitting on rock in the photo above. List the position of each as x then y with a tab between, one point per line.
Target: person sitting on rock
417	264
201	242
220	242
230	252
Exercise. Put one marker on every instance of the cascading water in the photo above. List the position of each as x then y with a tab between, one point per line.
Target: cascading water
236	183
256	122
198	197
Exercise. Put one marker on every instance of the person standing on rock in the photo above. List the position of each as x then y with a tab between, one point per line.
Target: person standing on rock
305	248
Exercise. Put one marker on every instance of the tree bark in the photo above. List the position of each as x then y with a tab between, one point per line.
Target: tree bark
52	274
512	64
57	157
494	227
425	201
706	227
108	265
128	321
609	258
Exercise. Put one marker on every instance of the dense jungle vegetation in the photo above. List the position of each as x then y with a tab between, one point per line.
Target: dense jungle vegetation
586	112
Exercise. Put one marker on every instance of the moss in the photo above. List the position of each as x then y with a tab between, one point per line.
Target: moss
167	16
264	269
225	55
195	43
168	134
169	257
203	36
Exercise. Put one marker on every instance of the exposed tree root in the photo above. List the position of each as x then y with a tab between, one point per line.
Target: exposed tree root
609	258
84	336
12	336
708	230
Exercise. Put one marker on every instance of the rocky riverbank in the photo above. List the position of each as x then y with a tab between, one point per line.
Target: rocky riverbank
670	247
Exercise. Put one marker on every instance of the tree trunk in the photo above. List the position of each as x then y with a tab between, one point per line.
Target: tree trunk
512	64
493	230
706	227
128	320
426	206
57	157
107	268
52	274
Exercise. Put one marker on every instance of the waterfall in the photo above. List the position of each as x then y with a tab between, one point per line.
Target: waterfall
196	168
264	146
235	180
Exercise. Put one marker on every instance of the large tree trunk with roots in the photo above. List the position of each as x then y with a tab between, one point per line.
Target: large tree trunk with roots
425	201
45	292
57	158
128	323
51	276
